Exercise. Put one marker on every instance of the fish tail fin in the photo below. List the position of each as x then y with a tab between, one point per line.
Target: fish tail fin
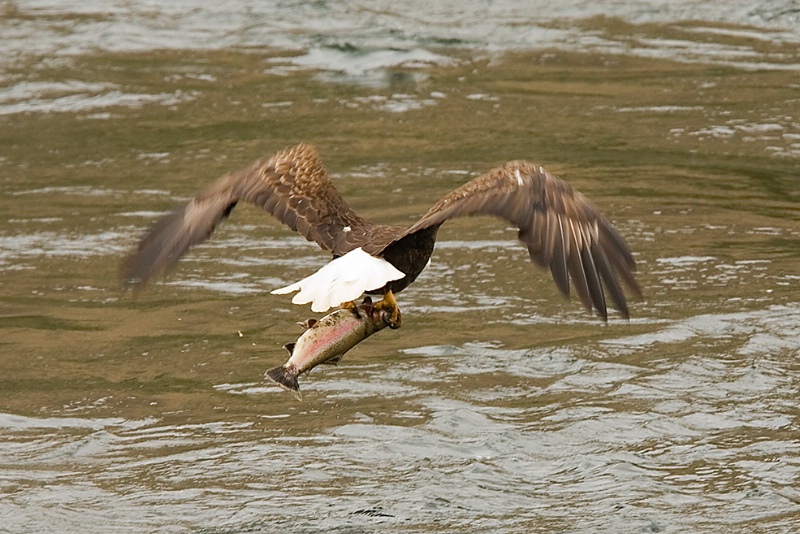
286	377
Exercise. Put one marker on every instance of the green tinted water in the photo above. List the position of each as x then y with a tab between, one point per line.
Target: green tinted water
498	406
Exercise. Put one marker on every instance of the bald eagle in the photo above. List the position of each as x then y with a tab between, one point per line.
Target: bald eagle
561	228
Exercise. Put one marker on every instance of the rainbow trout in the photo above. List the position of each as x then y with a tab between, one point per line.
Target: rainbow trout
327	340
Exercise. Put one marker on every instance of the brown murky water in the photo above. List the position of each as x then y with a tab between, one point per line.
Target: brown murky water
498	406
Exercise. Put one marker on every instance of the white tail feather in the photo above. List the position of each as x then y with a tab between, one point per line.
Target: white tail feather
342	280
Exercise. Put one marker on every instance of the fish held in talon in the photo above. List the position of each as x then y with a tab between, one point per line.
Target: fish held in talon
562	230
326	341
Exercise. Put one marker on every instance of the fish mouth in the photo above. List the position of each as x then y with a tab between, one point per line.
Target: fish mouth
375	313
386	316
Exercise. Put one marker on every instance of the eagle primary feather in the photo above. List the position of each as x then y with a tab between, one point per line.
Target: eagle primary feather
562	229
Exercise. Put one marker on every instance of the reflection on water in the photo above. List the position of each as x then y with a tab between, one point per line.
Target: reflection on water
374	46
499	406
631	430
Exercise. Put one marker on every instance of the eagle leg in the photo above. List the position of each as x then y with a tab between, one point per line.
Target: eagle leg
388	303
351	305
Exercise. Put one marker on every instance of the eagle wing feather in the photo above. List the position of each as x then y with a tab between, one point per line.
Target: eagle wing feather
561	228
292	185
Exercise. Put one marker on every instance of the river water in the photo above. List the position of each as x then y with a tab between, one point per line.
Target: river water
498	406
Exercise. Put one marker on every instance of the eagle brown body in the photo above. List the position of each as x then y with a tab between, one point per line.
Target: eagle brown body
561	228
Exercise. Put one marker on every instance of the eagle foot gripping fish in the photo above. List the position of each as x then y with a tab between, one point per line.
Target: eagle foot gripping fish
328	339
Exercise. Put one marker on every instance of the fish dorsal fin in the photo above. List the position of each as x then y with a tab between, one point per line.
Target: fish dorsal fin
289	347
308	323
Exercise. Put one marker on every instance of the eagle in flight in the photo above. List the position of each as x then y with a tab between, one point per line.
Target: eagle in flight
561	228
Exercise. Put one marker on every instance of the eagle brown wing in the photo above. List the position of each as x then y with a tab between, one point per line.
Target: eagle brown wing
562	229
291	185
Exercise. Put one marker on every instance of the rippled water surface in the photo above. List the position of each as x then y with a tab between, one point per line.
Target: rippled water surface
498	406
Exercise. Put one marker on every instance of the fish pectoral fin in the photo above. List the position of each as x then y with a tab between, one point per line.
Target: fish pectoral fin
290	348
334	361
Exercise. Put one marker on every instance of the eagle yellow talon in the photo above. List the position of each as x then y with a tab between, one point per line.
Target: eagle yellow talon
350	305
389	304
